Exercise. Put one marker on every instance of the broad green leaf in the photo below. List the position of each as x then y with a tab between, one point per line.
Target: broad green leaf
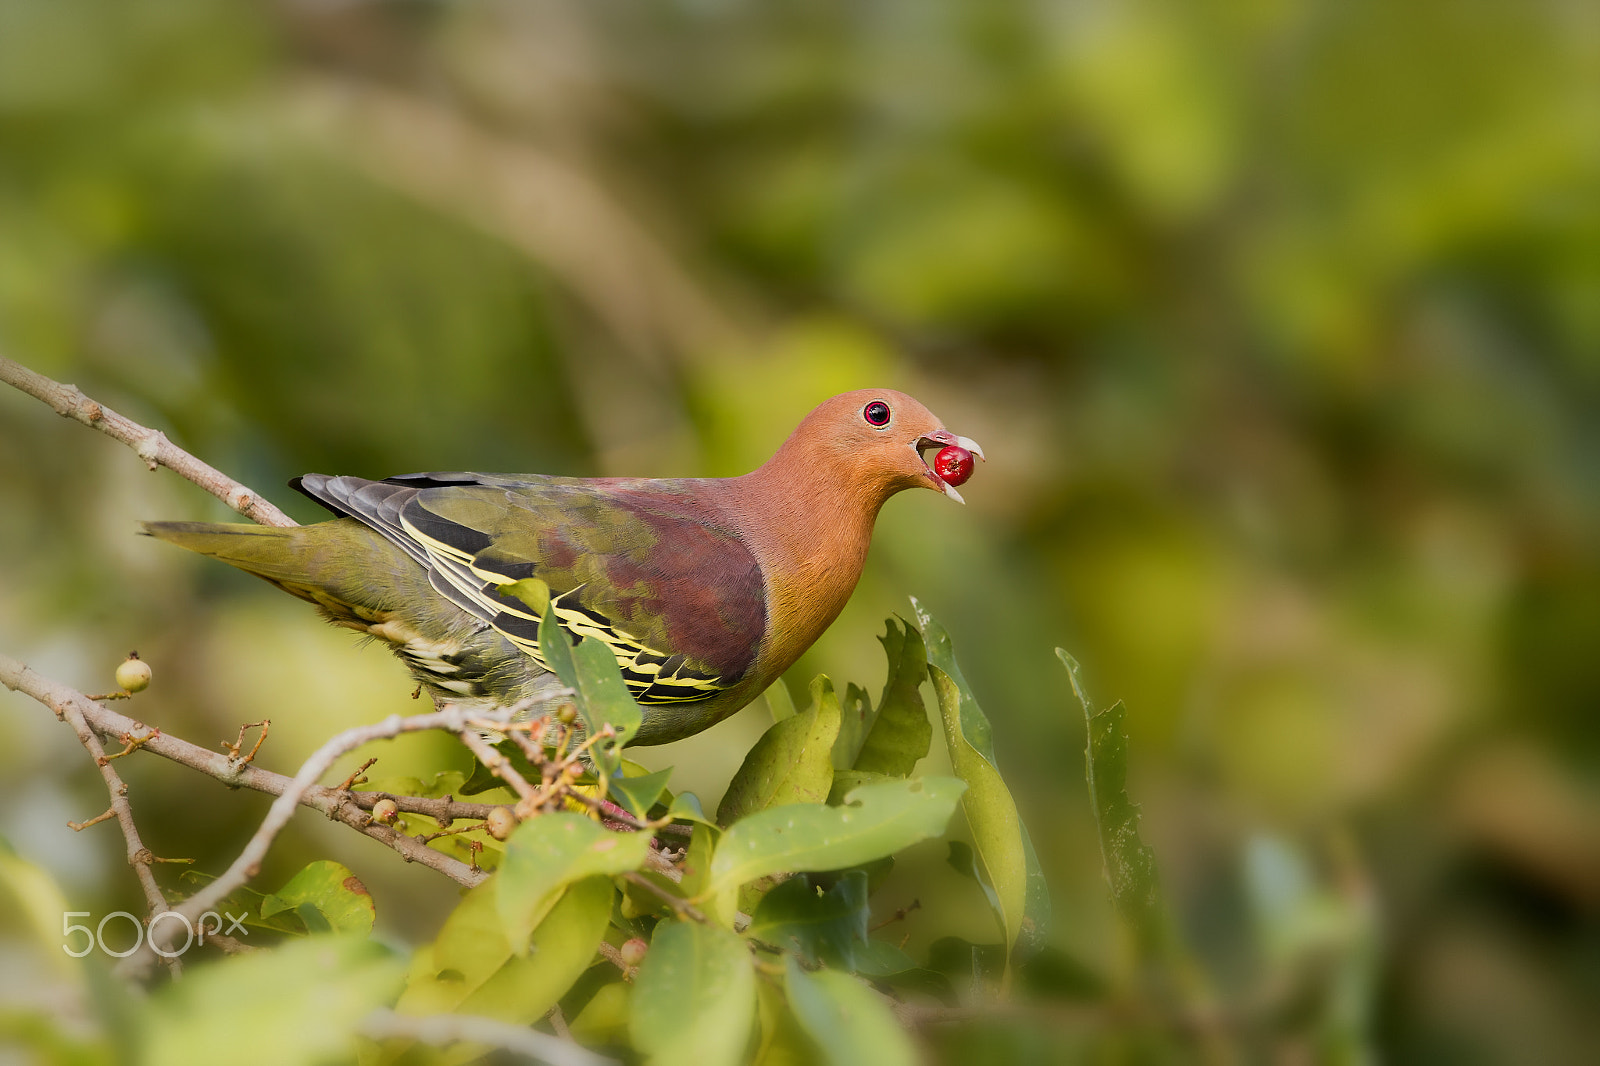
847	781
470	947
604	1019
533	591
886	964
855	721
550	851
1036	904
244	904
300	1002
557	653
823	927
876	820
639	794
779	702
847	1019
783	1042
1129	862
722	908
605	699
901	733
791	763
694	998
335	893
991	812
561	948
685	807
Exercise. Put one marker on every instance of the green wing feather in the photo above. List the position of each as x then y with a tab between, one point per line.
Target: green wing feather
647	567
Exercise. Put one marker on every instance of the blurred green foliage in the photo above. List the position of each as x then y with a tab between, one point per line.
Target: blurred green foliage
1278	319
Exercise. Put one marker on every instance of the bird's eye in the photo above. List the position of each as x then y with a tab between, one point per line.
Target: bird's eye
876	413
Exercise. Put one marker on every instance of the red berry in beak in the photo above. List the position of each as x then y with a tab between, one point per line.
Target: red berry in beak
953	465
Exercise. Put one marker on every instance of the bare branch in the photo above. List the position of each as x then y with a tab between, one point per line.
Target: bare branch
139	856
349	808
497	764
248	864
149	444
441	1030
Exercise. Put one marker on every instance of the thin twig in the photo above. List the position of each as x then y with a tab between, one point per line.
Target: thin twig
78	827
613	955
347	807
265	725
498	765
355	777
248	864
139	856
441	1030
683	907
149	444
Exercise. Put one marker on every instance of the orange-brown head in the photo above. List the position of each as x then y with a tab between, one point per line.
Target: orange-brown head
871	442
807	514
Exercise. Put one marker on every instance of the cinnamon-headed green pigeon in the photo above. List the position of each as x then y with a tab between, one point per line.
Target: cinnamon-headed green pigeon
706	589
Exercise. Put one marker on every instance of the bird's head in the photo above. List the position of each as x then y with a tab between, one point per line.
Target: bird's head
878	441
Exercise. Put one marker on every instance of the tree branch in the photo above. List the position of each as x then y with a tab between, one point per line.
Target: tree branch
248	864
139	856
346	807
149	444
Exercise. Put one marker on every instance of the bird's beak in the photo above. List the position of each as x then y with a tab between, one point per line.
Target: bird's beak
940	439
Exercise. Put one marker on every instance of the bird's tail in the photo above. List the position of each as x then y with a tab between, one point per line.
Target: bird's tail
342	566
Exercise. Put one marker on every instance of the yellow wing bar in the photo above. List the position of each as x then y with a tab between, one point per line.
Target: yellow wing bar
651	676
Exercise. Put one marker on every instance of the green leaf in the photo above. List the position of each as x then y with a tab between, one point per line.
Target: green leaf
791	763
333	891
245	903
697	872
847	781
1129	863
469	949
545	854
783	1042
779	702
877	820
560	950
604	699
533	591
685	807
604	1019
694	998
470	965
300	1002
991	812
823	927
639	794
443	783
901	733
886	964
855	720
846	1019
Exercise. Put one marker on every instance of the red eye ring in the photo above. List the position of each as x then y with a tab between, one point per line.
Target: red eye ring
877	413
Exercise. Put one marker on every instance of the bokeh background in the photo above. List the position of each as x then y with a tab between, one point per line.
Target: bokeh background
1279	321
